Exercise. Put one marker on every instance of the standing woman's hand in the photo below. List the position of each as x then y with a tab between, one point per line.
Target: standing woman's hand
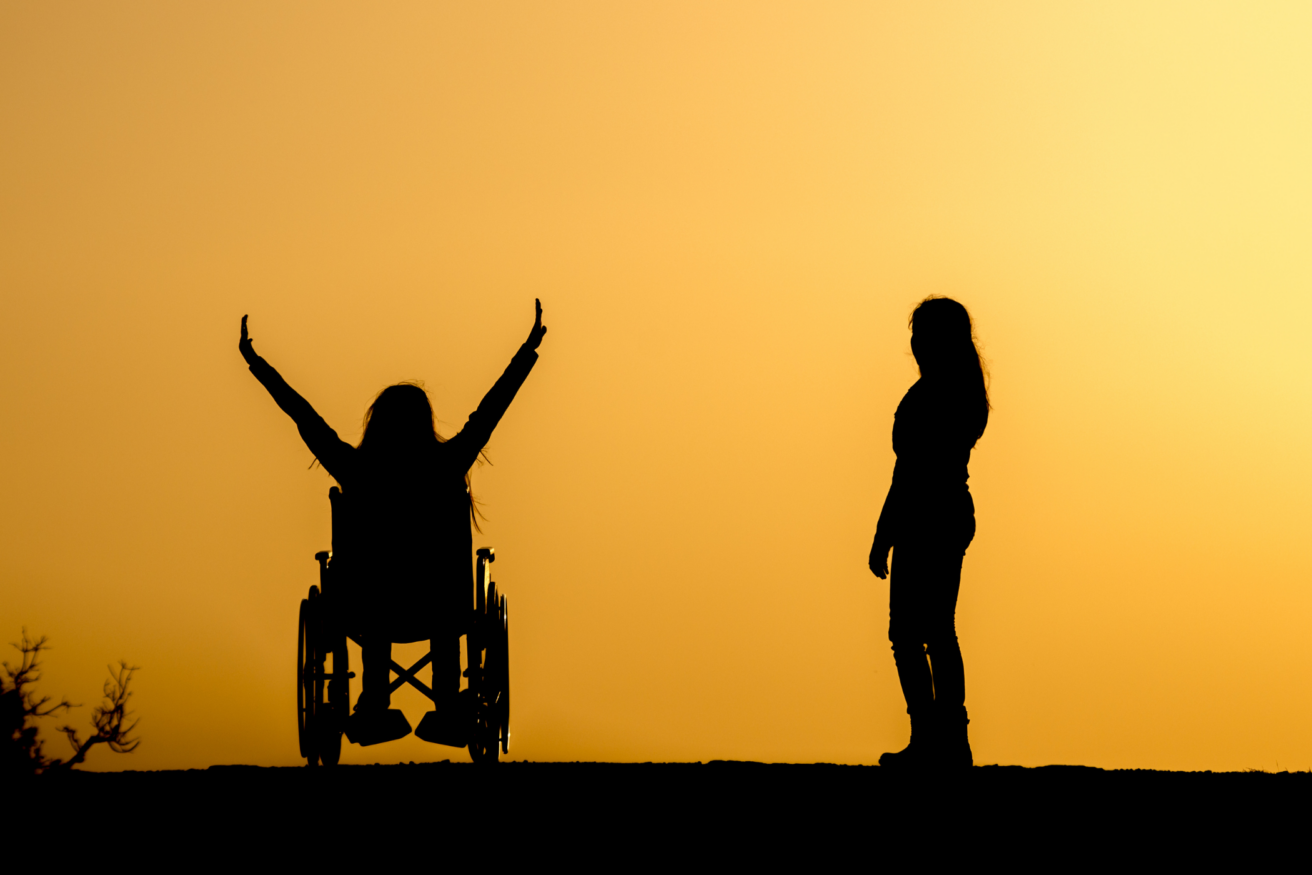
534	336
247	349
879	559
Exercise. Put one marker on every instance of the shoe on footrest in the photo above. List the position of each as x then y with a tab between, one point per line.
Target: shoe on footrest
449	725
376	726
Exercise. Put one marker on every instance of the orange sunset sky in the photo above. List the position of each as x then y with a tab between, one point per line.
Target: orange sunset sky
728	211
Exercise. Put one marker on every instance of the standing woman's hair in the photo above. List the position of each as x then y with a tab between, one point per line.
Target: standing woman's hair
945	348
401	421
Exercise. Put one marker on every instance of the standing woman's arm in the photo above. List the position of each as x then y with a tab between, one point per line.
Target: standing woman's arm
478	430
886	529
331	451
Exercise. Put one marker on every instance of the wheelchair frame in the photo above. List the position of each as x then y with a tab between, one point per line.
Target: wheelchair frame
323	694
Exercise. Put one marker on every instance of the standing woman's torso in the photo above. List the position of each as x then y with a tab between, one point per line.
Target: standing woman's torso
934	429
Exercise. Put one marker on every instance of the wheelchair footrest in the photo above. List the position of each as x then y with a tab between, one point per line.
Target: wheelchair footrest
374	727
449	726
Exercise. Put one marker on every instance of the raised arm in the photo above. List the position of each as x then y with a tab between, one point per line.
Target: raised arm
478	430
332	452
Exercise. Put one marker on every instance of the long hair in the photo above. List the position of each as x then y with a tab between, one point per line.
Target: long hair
948	348
400	420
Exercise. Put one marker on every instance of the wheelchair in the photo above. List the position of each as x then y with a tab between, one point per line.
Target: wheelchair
323	675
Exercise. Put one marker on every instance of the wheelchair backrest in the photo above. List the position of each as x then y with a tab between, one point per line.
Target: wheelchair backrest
343	530
344	544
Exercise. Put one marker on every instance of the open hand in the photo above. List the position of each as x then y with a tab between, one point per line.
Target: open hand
879	559
247	349
534	336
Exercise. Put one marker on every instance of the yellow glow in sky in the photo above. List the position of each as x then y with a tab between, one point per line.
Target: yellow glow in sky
728	212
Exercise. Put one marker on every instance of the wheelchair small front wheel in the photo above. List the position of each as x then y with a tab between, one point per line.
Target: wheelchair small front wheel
485	746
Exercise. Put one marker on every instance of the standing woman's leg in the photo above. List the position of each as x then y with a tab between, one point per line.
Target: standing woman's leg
924	584
906	631
949	672
952	742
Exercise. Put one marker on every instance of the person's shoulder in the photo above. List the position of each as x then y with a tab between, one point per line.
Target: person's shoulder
913	396
442	454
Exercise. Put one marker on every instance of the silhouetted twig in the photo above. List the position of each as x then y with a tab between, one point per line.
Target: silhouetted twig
108	718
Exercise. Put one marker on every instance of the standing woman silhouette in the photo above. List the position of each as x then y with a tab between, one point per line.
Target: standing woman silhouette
928	520
407	557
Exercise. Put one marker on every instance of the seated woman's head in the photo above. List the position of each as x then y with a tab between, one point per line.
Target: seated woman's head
399	425
400	419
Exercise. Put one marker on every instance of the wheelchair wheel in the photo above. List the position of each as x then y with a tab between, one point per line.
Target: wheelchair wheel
483	749
331	715
492	702
319	725
305	725
504	702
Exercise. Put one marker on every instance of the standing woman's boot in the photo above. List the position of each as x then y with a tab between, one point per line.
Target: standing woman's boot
919	753
918	690
951	741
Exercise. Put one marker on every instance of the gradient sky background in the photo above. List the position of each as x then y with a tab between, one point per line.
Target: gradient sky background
728	211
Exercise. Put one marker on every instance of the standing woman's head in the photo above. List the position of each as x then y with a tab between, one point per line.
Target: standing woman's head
943	342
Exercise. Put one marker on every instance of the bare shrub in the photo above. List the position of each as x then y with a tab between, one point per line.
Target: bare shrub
21	749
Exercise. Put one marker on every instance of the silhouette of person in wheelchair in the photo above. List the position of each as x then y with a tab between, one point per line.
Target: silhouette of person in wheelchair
402	546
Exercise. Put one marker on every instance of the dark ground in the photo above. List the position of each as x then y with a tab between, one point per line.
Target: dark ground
717	808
